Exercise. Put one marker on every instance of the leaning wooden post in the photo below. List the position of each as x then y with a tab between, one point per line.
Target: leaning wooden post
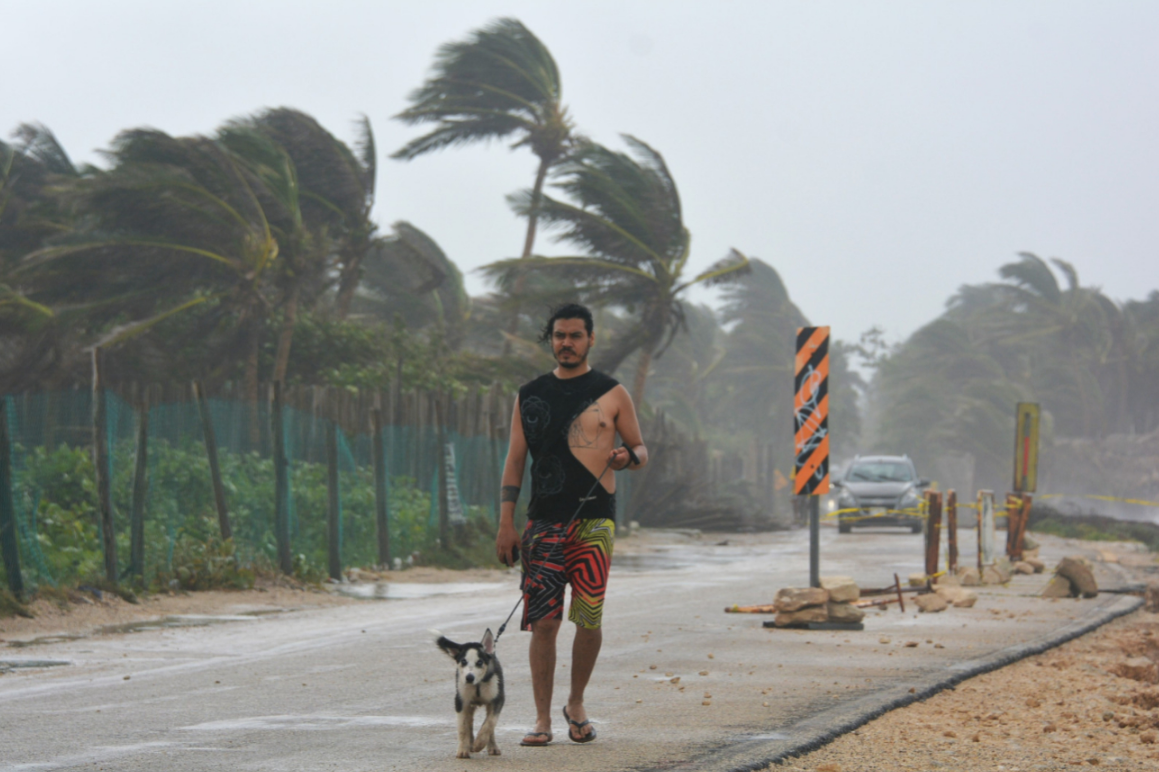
9	545
952	531
333	532
1018	539
933	530
381	509
101	463
986	547
281	483
1013	515
140	491
214	468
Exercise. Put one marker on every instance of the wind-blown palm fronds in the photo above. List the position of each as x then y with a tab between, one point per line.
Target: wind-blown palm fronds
501	82
625	215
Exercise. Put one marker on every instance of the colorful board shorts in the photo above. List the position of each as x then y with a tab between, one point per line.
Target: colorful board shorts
582	560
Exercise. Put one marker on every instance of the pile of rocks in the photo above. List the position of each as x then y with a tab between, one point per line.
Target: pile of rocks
1072	579
1001	571
947	592
831	602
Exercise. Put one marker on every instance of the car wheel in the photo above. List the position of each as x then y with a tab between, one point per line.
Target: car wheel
916	528
844	527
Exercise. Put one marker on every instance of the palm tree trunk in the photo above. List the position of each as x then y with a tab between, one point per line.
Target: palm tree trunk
286	336
528	246
253	349
642	366
348	283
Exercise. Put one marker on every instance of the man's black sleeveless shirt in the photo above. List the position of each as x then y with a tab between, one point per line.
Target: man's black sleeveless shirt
559	481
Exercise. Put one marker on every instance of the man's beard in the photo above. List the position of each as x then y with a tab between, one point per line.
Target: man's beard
579	362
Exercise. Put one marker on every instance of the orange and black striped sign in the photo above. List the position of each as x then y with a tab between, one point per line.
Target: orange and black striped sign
811	412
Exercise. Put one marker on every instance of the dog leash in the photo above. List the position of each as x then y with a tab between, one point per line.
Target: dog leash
633	459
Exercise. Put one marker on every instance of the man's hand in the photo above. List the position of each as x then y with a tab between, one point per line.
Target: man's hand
507	545
620	458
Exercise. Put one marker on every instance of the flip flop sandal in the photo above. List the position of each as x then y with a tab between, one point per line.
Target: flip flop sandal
536	744
583	738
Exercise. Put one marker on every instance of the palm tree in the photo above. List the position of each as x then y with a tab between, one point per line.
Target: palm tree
408	274
336	187
176	224
500	82
627	219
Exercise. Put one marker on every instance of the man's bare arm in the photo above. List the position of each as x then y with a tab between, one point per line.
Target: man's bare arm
628	425
507	539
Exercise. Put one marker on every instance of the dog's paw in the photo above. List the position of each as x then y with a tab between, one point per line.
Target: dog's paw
494	751
479	745
463	754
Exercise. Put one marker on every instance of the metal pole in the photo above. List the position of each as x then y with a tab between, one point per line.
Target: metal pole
814	541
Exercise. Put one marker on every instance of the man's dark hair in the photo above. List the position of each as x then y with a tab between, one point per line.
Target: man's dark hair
566	311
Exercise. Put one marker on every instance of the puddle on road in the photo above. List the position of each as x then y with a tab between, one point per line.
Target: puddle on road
315	722
411	591
173	621
14	664
44	639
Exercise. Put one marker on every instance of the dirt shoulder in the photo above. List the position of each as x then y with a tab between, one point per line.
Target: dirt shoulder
78	612
1091	702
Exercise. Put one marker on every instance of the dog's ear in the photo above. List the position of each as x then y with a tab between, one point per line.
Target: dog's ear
488	642
452	649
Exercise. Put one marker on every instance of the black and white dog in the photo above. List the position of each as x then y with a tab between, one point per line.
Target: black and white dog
478	681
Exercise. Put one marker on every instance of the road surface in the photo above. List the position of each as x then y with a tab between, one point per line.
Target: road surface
362	687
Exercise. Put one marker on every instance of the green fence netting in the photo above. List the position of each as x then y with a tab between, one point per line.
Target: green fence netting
55	494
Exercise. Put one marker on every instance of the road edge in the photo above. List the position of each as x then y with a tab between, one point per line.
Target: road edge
823	728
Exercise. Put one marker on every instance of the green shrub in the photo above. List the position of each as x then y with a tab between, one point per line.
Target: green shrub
182	535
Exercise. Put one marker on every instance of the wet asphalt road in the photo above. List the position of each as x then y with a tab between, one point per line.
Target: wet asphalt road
362	687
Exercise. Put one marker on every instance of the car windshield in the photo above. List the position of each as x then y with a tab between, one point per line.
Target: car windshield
880	471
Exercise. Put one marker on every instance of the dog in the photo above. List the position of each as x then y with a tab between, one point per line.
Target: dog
478	681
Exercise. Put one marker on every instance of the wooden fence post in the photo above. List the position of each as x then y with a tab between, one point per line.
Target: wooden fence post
211	453
933	530
101	463
952	531
281	483
9	544
381	509
1016	534
140	491
333	532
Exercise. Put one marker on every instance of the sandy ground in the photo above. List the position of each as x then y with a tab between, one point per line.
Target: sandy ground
1091	702
84	613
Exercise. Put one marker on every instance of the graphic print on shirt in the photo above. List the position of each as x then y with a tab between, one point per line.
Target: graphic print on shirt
536	416
547	475
560	418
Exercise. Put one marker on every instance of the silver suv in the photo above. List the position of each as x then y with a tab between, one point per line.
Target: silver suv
880	488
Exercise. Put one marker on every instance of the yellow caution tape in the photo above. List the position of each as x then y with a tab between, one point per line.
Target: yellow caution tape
1119	499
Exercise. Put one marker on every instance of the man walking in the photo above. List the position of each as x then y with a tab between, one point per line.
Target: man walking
568	419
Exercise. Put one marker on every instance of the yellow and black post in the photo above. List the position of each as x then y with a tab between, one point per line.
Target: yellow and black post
811	428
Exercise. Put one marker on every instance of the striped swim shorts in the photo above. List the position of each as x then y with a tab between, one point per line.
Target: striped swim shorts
582	560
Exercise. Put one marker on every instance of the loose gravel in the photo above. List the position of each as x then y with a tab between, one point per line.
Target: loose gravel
1091	702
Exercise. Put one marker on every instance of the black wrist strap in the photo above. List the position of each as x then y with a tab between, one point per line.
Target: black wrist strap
634	460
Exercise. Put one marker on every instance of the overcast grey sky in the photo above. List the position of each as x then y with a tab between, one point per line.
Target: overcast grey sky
878	154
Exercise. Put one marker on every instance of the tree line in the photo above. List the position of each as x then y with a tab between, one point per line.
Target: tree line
250	255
